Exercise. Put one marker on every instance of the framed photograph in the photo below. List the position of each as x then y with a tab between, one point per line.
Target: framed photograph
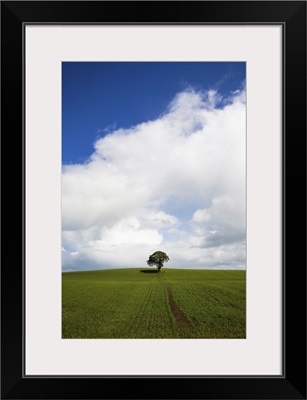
160	197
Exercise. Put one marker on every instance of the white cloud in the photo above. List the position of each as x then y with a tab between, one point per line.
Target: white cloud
175	184
223	222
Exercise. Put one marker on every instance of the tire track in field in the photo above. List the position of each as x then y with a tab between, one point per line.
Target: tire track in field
180	318
139	318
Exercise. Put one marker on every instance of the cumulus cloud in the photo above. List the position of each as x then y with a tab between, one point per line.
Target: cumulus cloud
176	184
221	223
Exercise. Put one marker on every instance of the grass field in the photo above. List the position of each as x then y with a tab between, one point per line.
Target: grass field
140	303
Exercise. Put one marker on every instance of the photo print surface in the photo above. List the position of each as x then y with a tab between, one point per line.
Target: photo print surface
153	200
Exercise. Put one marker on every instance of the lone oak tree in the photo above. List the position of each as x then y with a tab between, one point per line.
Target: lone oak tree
157	259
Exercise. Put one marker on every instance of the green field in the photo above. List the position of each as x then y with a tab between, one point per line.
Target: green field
140	303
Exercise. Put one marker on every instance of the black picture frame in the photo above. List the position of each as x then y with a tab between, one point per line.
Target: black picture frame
292	16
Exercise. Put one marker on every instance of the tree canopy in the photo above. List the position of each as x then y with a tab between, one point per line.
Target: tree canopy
157	259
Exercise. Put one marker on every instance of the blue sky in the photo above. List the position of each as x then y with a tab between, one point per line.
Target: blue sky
153	159
98	97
